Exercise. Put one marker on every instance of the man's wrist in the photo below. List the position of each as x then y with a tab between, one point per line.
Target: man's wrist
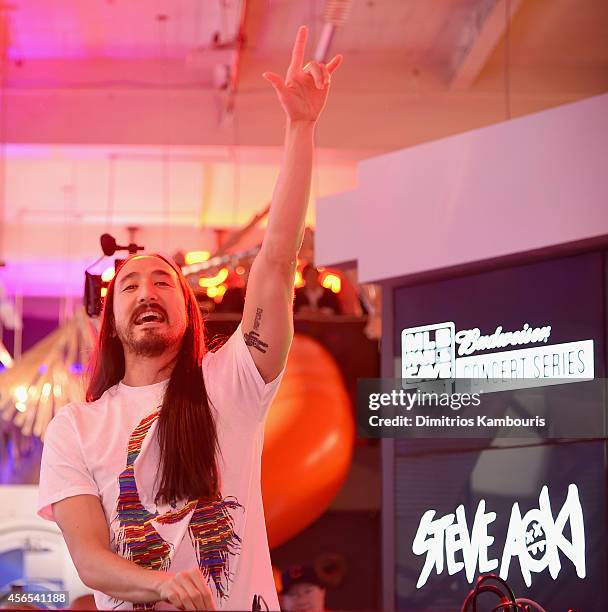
297	126
157	579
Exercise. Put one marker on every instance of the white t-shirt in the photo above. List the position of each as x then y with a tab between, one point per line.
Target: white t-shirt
108	448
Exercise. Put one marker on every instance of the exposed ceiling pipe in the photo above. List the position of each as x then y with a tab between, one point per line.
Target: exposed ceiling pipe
335	14
235	70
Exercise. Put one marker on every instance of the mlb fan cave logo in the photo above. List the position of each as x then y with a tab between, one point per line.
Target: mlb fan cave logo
428	351
438	351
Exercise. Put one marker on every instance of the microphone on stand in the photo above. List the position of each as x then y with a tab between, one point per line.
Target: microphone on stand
109	246
93	282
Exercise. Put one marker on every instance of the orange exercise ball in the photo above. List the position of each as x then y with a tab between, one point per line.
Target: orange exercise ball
308	441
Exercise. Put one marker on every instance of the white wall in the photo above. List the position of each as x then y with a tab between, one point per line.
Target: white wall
529	183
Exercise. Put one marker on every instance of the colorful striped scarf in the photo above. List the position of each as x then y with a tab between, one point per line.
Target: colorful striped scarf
211	526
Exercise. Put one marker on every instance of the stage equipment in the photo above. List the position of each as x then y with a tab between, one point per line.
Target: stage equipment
508	601
93	283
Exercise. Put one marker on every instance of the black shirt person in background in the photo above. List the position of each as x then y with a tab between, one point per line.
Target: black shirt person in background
313	297
302	591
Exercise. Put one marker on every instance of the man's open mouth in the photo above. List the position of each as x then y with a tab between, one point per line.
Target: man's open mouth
149	316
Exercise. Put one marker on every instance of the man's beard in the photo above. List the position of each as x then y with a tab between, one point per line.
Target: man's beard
151	343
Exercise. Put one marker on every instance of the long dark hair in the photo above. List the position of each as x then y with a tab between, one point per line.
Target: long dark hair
187	434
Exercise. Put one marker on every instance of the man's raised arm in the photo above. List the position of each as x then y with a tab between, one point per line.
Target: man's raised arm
268	314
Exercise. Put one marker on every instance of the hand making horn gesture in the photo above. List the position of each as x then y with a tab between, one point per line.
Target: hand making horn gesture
304	91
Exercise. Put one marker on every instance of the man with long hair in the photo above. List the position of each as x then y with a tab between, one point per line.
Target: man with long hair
155	479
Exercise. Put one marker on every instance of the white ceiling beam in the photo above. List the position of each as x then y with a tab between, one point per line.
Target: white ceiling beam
195	71
486	30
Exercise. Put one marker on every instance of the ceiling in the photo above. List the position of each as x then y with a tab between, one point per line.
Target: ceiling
154	112
148	78
117	28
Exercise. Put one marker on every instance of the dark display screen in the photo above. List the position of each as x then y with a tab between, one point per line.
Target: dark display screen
533	511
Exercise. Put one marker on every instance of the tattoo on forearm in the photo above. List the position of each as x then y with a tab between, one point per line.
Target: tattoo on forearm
253	339
258	318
